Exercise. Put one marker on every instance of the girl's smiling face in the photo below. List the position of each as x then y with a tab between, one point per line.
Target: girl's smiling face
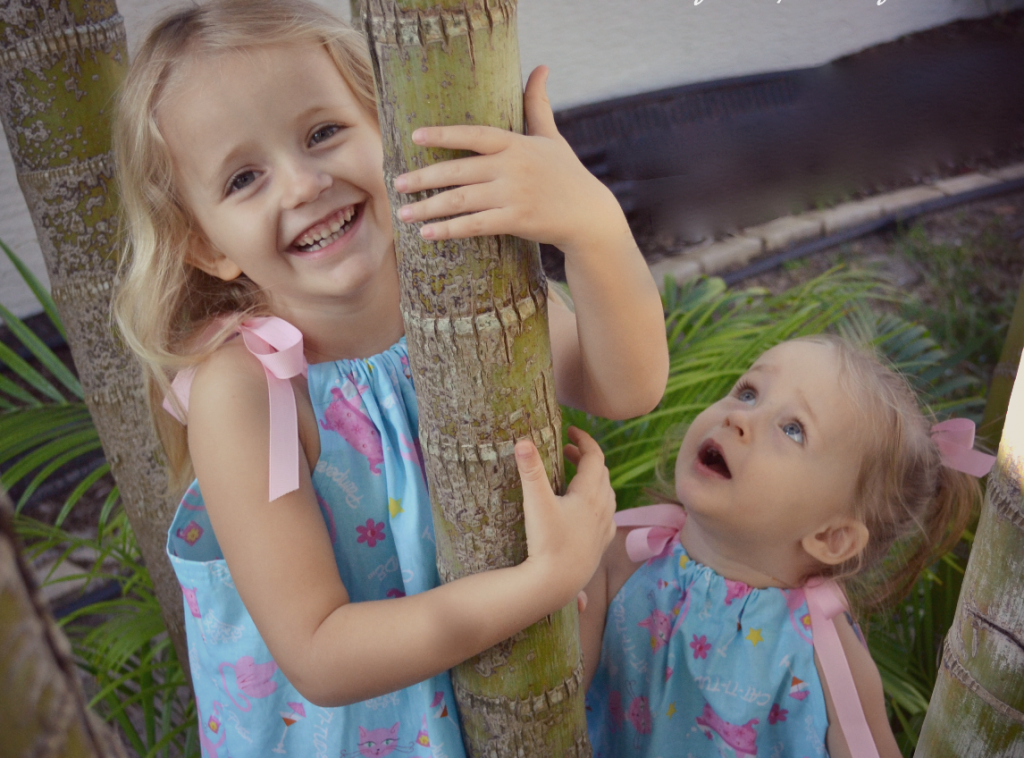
777	458
281	167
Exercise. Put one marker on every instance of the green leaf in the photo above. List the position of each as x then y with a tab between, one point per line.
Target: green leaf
43	354
41	293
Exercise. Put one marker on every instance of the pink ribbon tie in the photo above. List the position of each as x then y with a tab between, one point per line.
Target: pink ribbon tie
277	345
825	601
955	440
660	524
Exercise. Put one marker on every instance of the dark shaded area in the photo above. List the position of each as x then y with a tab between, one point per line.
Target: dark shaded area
702	160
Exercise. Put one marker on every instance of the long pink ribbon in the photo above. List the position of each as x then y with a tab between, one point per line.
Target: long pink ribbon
277	345
955	440
660	525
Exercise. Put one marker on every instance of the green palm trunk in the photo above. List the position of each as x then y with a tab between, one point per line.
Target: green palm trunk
476	322
61	62
977	708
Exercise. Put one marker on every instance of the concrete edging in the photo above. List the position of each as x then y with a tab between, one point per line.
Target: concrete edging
711	258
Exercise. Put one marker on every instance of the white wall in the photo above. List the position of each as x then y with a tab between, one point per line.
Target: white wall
598	49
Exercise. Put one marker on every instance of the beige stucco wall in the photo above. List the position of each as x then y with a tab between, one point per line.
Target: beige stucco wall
598	49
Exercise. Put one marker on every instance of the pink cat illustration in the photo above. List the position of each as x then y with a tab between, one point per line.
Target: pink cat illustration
345	417
208	746
191	600
376	743
735	591
639	715
253	679
742	739
659	625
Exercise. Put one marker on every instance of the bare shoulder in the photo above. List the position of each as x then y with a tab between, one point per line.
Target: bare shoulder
868	682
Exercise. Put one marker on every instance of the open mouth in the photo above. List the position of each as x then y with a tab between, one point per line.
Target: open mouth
710	457
327	231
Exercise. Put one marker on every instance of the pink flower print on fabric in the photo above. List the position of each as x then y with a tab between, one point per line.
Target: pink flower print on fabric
372	533
701	646
741	738
347	419
192	600
190	533
777	714
253	679
659	625
639	715
735	591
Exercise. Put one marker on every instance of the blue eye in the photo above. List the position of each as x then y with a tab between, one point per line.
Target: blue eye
241	180
794	430
745	393
323	133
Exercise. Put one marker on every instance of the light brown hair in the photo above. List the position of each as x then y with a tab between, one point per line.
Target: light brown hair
164	304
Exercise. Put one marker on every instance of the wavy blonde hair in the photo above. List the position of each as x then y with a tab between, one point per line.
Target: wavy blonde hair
914	508
164	305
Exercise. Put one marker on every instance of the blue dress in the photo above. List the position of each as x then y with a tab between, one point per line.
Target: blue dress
371	490
696	665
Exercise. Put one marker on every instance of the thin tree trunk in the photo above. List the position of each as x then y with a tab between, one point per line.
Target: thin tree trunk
476	322
977	707
61	62
1003	375
42	708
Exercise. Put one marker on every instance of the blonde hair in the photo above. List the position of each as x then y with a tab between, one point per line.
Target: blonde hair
164	304
914	507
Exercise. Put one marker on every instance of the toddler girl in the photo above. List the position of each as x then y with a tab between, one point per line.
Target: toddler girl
817	468
250	164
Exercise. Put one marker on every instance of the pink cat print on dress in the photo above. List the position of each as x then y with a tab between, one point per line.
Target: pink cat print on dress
253	679
377	743
735	591
639	715
659	625
741	739
345	417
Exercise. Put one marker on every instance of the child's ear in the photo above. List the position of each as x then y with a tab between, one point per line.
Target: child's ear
206	257
838	542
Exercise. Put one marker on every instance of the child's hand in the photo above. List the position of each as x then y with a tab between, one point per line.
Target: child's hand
567	535
528	186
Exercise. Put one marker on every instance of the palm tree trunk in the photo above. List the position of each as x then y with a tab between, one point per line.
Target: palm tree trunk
61	62
1004	374
42	708
476	322
977	707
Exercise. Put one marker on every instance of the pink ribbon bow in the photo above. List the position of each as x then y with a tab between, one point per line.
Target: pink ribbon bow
955	440
278	346
661	525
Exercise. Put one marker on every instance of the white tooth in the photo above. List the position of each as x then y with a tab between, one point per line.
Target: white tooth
335	226
350	213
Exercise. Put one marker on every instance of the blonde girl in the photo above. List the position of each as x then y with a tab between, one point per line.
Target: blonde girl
817	471
250	165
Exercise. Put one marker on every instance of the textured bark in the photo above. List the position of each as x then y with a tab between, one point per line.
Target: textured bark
476	322
60	64
42	708
1003	375
977	707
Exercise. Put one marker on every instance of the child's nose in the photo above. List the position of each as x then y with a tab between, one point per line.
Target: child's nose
303	184
739	420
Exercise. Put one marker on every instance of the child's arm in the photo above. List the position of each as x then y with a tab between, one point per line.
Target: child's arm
616	567
872	699
610	356
335	651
